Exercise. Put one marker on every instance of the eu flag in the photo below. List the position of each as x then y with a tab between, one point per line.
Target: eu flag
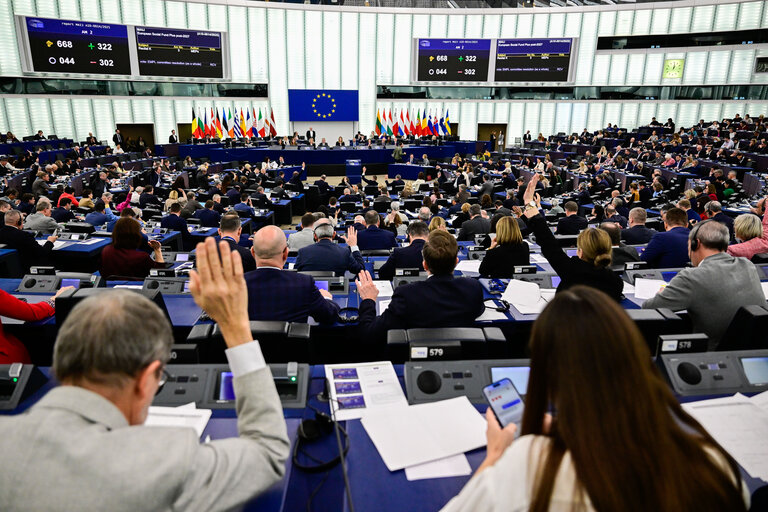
322	105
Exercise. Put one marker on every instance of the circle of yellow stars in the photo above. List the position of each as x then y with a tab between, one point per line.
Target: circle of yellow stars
333	105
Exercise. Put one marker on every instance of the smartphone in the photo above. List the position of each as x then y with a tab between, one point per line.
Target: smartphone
505	402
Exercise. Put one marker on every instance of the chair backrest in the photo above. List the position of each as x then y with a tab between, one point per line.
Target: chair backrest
747	331
281	342
453	343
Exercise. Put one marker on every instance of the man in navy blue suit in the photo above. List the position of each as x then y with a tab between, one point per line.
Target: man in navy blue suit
326	255
715	212
637	233
174	222
407	257
208	216
230	230
373	237
670	248
440	301
275	294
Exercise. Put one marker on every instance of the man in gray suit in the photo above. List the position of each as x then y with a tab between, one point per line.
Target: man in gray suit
83	446
41	220
716	288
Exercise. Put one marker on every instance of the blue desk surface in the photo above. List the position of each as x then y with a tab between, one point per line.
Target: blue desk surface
83	249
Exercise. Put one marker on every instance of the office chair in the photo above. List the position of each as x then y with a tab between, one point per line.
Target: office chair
747	330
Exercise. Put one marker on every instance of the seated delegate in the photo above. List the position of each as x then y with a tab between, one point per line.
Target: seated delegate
751	232
123	258
669	249
326	255
407	257
507	250
109	357
11	349
440	301
590	266
599	450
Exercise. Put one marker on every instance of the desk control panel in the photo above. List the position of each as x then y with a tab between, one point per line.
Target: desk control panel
167	285
51	283
440	380
716	373
210	386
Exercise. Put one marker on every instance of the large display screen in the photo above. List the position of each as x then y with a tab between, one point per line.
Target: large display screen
453	60
50	46
61	46
492	60
173	52
532	60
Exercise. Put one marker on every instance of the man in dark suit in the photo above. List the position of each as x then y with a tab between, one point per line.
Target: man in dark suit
620	253
372	237
322	185
440	301
173	138
174	222
63	213
326	255
637	233
148	198
572	223
476	225
117	138
311	134
485	188
274	294
669	249
646	194
230	229
244	205
715	212
407	257
397	182
156	176
208	216
99	185
30	252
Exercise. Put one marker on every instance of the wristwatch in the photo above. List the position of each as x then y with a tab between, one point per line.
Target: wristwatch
532	204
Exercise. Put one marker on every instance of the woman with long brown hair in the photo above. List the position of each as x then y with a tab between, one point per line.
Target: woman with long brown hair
619	440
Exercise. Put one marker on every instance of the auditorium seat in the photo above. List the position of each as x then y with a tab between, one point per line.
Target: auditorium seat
453	343
747	330
281	342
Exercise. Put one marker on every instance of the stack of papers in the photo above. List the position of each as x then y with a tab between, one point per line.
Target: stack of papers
359	389
648	288
740	425
58	244
188	416
527	297
469	266
384	288
538	258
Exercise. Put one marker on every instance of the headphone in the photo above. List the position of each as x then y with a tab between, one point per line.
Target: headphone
312	430
695	244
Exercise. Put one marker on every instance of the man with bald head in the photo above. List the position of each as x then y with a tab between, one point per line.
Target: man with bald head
283	296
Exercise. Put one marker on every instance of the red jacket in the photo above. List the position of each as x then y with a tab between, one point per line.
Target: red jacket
11	349
75	203
126	262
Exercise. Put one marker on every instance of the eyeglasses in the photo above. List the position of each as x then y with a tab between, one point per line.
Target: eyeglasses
164	377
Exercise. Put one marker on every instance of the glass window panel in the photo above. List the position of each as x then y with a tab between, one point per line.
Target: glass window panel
645	112
612	113
18	118
750	15
742	65
456	26
540	24
702	18
636	69
421	25
142	111
556	25
132	12
10	63
595	116
607	24
313	52
485	112
104	120
654	64
732	108
624	20
695	67
602	68
725	19
40	115
524	26
238	44
680	20
587	43
384	47
562	117
547	118
165	120
278	84
332	50
573	24
155	11
47	8
473	27
491	25
349	51
83	118
578	117
710	111
90	10
687	114
468	121
532	118
618	69
629	115
197	14
501	112
660	22
217	17
509	26
401	73
62	118
26	7
257	30
717	70
110	11
642	22
438	25
69	9
664	112
757	109
516	122
123	111
295	48
367	71
176	15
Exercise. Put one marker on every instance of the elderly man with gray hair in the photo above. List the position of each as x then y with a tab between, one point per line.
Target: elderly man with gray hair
327	255
717	286
83	444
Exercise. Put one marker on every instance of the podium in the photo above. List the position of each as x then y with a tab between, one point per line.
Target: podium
354	171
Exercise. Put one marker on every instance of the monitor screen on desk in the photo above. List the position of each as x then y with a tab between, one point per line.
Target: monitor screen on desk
756	370
555	281
70	282
182	257
322	285
667	276
225	390
571	252
157	231
517	374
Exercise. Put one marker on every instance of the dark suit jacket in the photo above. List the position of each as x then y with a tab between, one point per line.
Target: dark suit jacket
172	139
322	186
208	218
637	235
311	135
440	301
287	296
118	139
30	252
500	262
146	199
668	249
375	238
404	257
571	225
623	254
472	227
326	255
249	264
725	219
176	223
62	215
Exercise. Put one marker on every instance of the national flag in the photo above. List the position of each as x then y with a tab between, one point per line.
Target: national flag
212	128
262	126
424	126
230	124
219	133
200	127
248	125
237	131
403	126
206	129
435	130
447	123
224	125
378	122
390	125
396	127
272	127
417	130
194	123
430	128
442	126
411	128
243	130
267	127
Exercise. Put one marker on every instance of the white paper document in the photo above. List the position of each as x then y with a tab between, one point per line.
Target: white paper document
538	258
648	288
90	241
184	416
455	465
359	389
469	266
384	288
628	288
490	314
527	297
740	425
765	289
58	244
426	432
382	305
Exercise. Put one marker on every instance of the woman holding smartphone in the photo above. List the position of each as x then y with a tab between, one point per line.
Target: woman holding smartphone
619	440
